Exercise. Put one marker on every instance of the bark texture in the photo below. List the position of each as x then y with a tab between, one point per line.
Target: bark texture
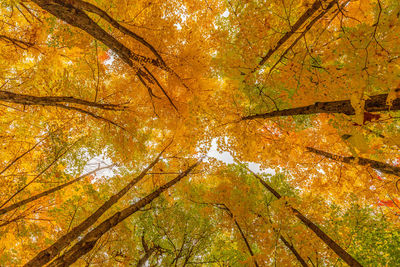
377	165
376	103
52	100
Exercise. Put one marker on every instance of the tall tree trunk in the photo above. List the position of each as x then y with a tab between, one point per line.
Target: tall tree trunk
346	257
46	193
373	104
377	165
48	254
87	243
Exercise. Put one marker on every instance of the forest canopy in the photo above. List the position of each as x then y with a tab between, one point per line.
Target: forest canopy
199	133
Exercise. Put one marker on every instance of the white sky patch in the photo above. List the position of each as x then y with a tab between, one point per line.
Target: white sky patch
225	14
227	158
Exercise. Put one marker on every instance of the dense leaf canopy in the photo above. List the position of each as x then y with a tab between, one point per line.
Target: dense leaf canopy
199	133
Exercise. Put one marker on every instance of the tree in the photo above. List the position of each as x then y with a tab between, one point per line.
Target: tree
304	92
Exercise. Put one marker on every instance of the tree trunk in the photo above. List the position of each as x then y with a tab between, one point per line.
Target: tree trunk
321	234
77	18
242	234
373	104
294	251
377	165
52	100
294	29
87	243
287	244
48	254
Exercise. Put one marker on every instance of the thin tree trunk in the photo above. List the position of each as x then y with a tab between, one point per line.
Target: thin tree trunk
241	233
89	240
377	165
303	18
294	251
46	193
48	254
147	252
375	103
247	243
40	174
321	234
145	257
287	244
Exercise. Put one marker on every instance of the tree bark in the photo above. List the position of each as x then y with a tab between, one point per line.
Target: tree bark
72	13
377	165
77	18
51	100
87	243
104	15
321	234
48	254
376	103
45	193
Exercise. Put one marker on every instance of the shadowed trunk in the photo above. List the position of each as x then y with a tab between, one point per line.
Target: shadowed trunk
52	100
48	254
346	257
87	243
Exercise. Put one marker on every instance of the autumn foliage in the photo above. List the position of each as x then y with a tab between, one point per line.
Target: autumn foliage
199	133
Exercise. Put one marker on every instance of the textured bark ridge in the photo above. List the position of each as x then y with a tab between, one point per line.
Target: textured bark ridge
346	257
76	17
89	240
376	103
377	165
48	254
